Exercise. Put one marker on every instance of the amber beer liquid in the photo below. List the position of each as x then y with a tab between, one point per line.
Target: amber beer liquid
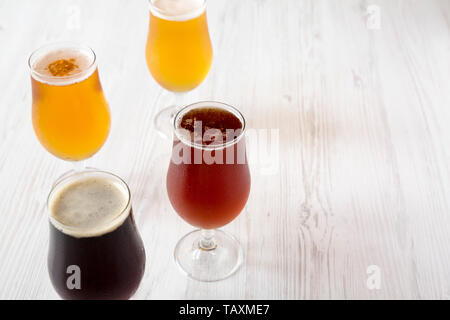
70	114
178	51
93	236
210	195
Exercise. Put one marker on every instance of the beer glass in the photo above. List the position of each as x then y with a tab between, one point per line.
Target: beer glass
70	114
178	50
95	251
208	194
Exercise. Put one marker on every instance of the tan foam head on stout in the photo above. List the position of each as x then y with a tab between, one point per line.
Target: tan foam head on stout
62	64
178	10
89	205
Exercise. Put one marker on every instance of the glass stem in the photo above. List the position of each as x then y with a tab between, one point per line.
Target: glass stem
178	103
78	166
207	241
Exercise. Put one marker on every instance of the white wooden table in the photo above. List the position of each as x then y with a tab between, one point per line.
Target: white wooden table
360	93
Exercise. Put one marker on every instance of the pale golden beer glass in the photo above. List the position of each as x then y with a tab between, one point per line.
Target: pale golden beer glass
70	114
178	51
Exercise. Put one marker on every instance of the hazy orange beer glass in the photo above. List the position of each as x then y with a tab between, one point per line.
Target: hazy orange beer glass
70	114
178	51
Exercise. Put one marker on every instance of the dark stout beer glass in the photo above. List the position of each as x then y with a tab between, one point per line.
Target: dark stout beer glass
95	251
208	183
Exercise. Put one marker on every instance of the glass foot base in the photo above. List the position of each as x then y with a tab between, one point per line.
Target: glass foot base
221	261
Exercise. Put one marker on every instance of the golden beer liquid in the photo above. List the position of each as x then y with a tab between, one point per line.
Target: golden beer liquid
178	53
71	121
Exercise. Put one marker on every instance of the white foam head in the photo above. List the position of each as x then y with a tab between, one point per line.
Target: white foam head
178	10
89	204
83	58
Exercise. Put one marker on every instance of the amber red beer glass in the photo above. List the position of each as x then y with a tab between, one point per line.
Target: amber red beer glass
95	251
208	183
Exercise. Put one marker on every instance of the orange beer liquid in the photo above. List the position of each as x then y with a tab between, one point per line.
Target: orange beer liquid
71	120
178	52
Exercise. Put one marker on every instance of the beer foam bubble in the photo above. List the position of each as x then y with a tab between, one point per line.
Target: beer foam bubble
89	206
82	60
195	124
179	10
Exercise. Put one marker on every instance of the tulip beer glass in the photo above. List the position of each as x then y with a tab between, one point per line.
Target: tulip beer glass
70	114
208	183
178	50
95	251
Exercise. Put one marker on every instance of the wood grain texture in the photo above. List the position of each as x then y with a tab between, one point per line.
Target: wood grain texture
364	144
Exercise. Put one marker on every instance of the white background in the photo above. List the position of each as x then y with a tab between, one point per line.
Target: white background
363	109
